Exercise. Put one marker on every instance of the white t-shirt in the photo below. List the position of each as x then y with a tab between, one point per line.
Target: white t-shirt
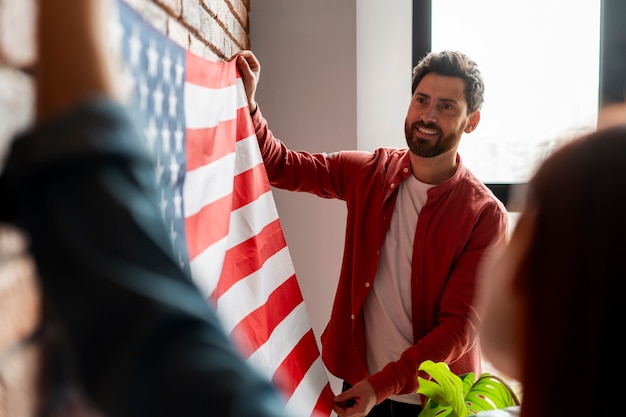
388	318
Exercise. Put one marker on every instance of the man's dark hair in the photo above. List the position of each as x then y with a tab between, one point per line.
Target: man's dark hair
453	64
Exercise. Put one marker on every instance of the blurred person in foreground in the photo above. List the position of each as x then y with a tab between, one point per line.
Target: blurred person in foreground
555	293
141	339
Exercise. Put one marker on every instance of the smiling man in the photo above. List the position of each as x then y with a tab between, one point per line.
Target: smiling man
418	224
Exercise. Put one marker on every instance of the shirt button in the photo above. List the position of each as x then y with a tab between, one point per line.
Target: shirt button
367	285
406	170
352	316
393	185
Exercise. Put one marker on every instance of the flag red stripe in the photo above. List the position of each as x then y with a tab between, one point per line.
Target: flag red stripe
250	185
253	331
244	127
249	256
208	145
208	225
324	405
295	366
209	74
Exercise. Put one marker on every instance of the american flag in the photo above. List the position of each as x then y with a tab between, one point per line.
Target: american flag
216	201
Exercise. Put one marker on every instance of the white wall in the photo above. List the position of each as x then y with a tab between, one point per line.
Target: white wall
314	56
384	68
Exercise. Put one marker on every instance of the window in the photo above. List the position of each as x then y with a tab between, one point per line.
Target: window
540	61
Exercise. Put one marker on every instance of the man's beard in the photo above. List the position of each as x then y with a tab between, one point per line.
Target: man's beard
429	148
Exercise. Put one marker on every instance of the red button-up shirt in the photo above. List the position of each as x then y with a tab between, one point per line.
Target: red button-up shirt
460	219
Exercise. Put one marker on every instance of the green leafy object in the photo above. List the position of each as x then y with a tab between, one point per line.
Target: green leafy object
447	391
450	395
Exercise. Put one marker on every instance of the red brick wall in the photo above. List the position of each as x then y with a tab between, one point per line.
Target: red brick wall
213	29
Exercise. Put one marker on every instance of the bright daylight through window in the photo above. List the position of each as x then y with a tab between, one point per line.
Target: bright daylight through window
540	61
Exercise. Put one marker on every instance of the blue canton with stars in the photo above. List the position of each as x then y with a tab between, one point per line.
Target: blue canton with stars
155	67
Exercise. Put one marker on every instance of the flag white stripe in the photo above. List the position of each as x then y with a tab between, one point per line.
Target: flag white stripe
208	183
248	221
206	268
248	154
242	100
207	107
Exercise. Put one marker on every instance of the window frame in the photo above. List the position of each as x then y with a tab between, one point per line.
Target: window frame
612	77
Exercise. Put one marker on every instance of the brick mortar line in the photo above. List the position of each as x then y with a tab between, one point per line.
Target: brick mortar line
195	31
234	13
226	31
